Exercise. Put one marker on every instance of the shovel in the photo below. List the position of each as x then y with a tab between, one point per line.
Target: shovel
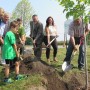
51	41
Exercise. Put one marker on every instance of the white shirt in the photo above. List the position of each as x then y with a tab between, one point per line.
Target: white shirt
2	27
52	31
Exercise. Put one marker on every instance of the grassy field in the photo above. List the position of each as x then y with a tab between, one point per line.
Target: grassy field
35	79
61	55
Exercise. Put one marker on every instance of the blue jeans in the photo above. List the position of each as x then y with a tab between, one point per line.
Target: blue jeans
80	57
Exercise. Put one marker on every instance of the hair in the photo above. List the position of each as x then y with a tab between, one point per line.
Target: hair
34	15
78	17
1	11
19	19
13	24
6	14
47	23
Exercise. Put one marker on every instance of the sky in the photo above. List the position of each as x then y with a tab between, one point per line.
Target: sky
44	9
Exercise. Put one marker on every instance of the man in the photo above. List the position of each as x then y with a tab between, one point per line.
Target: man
1	28
77	35
4	27
36	29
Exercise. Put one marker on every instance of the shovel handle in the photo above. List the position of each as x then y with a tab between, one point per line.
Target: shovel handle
52	41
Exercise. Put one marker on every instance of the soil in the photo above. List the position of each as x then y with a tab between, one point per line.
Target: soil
52	79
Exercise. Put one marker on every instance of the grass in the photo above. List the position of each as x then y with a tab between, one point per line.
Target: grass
35	79
61	55
32	80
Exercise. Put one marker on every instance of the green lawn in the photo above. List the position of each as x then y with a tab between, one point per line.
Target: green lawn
35	79
32	80
61	55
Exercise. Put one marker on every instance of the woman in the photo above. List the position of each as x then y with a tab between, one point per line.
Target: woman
50	33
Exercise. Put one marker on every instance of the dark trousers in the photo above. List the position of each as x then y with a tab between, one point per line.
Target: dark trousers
53	44
81	53
38	48
22	49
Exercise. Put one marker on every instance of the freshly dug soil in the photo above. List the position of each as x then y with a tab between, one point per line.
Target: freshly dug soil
52	79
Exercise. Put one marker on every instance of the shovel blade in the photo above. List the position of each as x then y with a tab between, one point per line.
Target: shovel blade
66	67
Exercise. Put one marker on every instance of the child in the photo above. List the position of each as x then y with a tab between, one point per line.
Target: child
9	52
20	37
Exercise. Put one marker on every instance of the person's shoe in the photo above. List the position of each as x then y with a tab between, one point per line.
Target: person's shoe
2	62
20	77
81	68
8	80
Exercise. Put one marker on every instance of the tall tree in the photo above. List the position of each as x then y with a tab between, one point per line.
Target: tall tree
24	11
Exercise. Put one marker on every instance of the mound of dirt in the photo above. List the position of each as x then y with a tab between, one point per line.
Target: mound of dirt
31	65
52	79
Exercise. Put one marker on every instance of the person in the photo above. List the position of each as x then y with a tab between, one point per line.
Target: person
10	53
1	25
6	21
50	34
77	36
4	27
1	14
20	37
36	29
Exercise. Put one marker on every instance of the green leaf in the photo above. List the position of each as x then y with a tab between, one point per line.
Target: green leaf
88	1
66	9
75	8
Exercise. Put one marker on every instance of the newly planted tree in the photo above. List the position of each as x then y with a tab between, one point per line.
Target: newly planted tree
77	8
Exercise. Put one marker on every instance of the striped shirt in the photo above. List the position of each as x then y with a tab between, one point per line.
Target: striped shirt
76	30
